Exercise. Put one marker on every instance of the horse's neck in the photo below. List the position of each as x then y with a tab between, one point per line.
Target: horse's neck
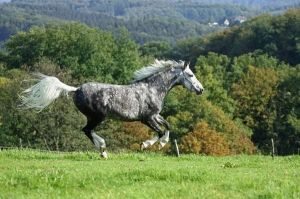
162	83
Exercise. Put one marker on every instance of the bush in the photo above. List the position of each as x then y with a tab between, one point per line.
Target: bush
204	140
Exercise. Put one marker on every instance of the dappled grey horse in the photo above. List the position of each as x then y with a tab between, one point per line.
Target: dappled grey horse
140	101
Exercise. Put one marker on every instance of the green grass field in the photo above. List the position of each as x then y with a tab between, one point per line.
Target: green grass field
34	174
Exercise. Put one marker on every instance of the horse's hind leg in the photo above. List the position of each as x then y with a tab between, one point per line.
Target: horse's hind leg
98	141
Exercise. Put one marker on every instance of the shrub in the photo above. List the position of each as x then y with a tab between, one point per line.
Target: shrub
204	140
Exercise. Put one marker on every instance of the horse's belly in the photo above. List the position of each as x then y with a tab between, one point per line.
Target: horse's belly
124	116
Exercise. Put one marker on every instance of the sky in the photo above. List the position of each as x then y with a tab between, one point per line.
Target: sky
2	1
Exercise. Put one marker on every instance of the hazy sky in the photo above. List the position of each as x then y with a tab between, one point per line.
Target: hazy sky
1	1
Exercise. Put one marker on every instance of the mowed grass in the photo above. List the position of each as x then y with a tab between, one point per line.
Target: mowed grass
34	174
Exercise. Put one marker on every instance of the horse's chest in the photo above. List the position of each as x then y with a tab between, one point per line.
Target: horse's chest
150	103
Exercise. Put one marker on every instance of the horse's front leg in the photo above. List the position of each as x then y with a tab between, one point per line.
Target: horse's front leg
165	138
154	125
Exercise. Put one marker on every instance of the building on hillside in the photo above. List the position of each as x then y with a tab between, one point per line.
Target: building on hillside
213	24
239	19
226	22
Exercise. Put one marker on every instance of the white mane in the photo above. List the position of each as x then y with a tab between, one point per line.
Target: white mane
156	67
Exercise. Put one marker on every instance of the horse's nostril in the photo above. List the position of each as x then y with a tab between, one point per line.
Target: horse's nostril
201	91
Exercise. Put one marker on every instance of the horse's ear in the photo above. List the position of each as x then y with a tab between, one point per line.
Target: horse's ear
186	65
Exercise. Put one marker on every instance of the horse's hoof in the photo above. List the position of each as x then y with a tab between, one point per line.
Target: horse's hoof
160	146
104	155
142	146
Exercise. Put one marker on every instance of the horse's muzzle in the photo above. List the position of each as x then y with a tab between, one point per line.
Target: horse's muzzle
199	91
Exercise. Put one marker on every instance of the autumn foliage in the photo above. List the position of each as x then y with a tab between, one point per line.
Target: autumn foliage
205	140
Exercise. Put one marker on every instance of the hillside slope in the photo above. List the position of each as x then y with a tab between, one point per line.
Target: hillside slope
165	20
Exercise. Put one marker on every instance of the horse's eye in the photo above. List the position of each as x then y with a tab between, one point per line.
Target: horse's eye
190	75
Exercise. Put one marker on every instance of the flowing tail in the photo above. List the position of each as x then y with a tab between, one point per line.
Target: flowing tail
40	95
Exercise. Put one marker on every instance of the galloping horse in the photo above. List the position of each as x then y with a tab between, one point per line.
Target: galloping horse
142	100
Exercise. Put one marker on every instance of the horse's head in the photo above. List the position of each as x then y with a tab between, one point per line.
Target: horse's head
178	70
189	80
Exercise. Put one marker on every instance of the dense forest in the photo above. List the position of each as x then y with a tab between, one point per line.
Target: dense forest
250	72
163	20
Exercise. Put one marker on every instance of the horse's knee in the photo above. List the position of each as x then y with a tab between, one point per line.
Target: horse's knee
160	135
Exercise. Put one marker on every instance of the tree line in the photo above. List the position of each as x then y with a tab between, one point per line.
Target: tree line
166	20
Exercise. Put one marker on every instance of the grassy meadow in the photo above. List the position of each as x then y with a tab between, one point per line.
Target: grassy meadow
35	174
